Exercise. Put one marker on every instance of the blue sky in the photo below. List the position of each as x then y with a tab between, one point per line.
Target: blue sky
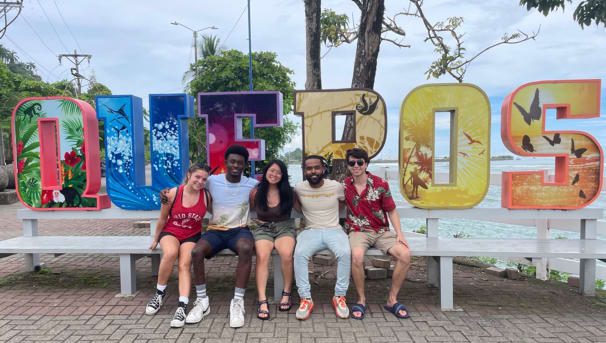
136	50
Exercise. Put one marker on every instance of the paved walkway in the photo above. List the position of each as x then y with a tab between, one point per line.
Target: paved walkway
74	300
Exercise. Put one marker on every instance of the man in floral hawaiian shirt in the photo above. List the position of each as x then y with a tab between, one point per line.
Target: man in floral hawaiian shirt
369	203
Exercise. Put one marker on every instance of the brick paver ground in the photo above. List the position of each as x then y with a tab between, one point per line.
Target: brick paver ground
74	300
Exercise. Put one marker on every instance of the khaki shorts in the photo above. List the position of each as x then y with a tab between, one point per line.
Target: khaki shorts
368	239
273	230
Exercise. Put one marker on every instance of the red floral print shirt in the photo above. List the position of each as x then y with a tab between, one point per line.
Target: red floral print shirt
368	210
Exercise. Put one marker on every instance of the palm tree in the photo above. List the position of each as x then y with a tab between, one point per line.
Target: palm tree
209	46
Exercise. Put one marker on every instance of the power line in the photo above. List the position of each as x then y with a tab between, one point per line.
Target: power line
68	29
38	35
51	24
235	24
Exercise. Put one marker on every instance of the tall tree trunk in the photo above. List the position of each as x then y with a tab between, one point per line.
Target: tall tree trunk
369	41
367	52
365	66
312	34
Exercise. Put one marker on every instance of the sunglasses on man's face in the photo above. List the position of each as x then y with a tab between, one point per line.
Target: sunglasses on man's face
353	163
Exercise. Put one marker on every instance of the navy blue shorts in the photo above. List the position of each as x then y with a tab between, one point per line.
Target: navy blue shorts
227	239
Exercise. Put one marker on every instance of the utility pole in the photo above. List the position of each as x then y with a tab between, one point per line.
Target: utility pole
250	84
76	59
5	8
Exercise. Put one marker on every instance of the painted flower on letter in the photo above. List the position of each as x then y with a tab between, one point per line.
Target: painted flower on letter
46	196
71	158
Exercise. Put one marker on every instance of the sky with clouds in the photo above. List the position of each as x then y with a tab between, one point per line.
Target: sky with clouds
136	51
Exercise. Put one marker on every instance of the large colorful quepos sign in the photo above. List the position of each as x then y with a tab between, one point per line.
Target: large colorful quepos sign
56	142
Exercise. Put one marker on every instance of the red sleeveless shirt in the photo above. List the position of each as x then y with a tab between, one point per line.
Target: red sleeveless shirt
184	222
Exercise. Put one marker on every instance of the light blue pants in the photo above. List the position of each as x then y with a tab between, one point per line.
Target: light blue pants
311	241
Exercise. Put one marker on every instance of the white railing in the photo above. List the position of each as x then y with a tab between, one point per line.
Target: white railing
543	227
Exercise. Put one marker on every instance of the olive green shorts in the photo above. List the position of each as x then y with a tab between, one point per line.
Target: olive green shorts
270	231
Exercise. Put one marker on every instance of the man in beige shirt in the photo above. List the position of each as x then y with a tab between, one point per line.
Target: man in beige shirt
320	198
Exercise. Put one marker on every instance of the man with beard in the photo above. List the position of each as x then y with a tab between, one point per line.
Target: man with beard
320	199
228	229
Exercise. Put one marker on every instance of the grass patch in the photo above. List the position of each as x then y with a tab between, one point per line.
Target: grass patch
71	279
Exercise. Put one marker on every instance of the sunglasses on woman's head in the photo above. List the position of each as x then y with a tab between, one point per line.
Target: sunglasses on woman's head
353	163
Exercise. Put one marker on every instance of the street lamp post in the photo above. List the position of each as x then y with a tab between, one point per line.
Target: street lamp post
195	37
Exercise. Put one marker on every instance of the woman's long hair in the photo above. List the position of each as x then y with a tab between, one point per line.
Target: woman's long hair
286	192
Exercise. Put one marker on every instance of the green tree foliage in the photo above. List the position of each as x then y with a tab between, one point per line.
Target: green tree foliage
19	80
11	60
228	71
587	11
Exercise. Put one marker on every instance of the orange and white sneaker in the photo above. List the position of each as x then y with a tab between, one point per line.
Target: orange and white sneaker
305	307
340	305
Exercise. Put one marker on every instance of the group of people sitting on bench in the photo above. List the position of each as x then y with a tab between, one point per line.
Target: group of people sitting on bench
231	196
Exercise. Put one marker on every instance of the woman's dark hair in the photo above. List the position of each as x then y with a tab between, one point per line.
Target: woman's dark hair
194	168
286	192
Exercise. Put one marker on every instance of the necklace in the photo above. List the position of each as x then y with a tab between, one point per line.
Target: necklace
233	195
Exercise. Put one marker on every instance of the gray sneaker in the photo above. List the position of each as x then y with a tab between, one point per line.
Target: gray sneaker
305	307
340	305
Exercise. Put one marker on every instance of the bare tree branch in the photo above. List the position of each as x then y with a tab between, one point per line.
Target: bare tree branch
396	43
452	60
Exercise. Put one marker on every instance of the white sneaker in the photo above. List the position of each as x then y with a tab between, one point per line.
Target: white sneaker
200	310
179	317
236	313
155	303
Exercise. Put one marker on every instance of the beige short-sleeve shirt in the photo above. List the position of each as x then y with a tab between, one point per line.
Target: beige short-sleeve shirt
320	206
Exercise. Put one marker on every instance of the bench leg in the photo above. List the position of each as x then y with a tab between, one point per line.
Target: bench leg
128	278
278	277
433	271
589	230
30	229
587	276
542	268
155	264
31	261
446	288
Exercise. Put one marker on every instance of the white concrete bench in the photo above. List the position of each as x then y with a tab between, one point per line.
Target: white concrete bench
129	248
440	251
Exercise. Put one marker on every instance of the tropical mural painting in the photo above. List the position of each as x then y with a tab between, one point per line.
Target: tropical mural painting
124	148
56	146
578	156
319	110
470	146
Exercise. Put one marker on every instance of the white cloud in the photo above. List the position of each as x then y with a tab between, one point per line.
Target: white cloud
136	50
